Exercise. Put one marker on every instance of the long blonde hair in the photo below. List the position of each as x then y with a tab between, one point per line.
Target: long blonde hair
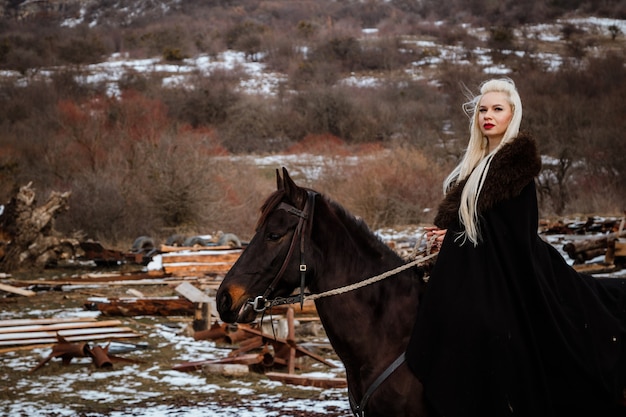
477	159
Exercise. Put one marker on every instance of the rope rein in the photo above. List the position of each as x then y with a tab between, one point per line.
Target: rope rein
371	280
261	303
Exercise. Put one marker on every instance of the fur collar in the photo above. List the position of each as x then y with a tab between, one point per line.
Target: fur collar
512	168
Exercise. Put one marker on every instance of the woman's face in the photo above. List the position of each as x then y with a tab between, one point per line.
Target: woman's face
494	115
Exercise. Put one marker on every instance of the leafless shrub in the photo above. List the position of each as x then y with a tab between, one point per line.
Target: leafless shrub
280	52
245	37
369	14
22	52
208	102
557	107
390	189
326	110
252	127
82	50
150	83
305	73
345	50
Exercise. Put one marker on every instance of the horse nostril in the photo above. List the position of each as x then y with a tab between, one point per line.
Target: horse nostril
224	301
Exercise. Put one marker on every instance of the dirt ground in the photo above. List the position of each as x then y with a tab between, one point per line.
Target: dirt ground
150	386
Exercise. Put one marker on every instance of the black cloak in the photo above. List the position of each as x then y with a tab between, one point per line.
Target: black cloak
507	327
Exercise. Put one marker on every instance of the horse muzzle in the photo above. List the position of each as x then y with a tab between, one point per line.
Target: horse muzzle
234	307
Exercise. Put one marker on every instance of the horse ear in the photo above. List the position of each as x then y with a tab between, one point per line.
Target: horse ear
295	193
279	181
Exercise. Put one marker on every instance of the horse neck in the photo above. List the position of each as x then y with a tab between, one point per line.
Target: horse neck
382	312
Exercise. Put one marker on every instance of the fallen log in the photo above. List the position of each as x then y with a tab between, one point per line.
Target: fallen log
28	231
595	268
585	249
157	306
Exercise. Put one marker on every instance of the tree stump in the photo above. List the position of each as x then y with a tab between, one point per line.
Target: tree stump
27	236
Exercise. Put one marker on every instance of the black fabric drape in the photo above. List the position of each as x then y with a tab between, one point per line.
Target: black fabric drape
507	327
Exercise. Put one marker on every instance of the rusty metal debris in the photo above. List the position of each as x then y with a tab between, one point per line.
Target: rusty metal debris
273	350
68	351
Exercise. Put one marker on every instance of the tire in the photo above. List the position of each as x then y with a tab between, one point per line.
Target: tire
229	239
143	244
175	240
194	241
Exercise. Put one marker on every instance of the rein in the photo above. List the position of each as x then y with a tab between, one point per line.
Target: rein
260	303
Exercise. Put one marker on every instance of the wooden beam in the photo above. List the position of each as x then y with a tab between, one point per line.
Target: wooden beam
16	290
308	381
58	326
193	294
167	248
28	322
64	333
71	339
202	257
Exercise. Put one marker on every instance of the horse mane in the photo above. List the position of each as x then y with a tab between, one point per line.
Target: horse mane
358	229
272	201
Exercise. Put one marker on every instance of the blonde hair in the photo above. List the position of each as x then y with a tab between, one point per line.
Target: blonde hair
477	159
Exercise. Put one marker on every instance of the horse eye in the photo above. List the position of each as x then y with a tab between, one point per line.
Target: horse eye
272	236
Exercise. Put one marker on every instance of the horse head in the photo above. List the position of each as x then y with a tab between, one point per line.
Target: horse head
272	264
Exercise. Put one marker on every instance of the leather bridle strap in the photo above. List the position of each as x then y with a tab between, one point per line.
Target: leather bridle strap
359	409
261	303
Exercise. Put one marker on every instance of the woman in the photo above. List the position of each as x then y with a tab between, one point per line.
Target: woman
506	326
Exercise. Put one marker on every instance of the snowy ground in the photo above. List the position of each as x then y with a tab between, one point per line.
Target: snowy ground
155	388
129	389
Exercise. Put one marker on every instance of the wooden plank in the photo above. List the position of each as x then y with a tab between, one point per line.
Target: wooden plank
193	294
159	281
16	290
308	381
58	326
82	338
168	249
64	333
28	322
247	359
204	257
186	269
595	268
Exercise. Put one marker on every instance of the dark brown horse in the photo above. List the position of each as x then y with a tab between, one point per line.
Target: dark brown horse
303	239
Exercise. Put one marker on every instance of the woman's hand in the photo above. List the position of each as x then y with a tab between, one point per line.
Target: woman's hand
434	238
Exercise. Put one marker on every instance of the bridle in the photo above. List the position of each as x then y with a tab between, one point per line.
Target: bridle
303	230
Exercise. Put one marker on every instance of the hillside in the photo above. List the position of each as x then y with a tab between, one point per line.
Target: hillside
151	115
370	13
